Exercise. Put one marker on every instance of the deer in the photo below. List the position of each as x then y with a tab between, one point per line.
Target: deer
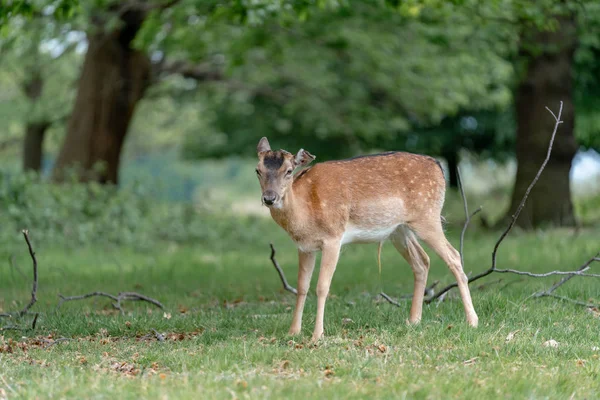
366	199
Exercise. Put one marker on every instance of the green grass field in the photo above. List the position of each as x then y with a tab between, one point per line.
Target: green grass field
226	323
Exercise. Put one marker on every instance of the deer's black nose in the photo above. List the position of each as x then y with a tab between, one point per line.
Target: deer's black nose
269	198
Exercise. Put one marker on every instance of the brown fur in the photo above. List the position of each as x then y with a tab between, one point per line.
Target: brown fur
321	202
392	195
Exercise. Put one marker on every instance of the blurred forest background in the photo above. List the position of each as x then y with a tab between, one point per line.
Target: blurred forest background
168	98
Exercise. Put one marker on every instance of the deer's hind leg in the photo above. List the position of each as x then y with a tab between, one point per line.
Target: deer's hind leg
405	241
431	232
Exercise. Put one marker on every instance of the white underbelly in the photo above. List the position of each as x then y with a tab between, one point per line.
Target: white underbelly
357	234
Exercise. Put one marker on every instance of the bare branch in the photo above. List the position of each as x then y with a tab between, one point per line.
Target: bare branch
124	296
284	281
513	219
531	185
579	303
34	321
564	280
389	299
133	296
158	336
547	274
64	299
35	275
51	343
428	292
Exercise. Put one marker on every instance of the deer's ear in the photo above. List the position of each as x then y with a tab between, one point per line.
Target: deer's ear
263	145
303	158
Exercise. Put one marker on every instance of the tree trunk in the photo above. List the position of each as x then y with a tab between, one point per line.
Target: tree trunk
33	144
33	86
452	161
547	81
113	80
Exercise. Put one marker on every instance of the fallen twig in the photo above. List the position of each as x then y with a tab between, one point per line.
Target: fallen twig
34	321
130	296
567	299
35	275
133	296
158	336
284	281
389	299
53	342
548	292
34	288
429	290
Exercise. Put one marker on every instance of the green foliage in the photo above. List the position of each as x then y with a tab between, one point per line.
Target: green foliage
74	214
353	78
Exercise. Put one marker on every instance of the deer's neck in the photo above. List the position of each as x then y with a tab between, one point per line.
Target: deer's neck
292	214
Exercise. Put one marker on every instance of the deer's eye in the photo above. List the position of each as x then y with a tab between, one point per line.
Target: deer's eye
289	172
257	172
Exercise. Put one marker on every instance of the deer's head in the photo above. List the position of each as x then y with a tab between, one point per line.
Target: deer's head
275	171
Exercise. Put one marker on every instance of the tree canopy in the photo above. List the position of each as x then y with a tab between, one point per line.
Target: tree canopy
335	76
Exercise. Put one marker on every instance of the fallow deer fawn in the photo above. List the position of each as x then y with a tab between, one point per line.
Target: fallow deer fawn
395	195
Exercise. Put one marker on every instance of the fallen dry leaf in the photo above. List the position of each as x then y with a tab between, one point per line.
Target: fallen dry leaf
470	361
167	315
511	335
551	343
346	321
595	311
580	363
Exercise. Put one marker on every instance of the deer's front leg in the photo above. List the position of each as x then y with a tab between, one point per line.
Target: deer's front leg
329	259
306	265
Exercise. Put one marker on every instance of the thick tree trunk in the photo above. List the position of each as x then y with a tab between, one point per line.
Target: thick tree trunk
33	145
113	80
547	81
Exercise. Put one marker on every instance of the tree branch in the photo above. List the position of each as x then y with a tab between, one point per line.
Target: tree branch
34	288
123	296
206	72
467	215
493	268
284	281
201	72
35	275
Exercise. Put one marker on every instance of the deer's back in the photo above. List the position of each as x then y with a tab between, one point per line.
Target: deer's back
374	189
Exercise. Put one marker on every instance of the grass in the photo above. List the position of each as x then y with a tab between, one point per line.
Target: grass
227	318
